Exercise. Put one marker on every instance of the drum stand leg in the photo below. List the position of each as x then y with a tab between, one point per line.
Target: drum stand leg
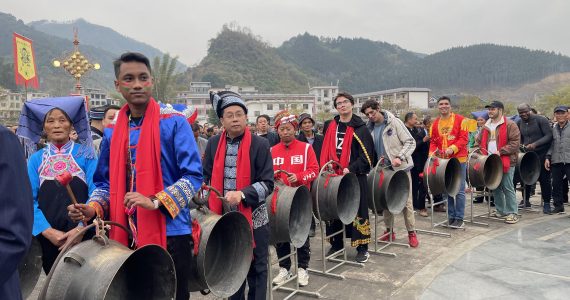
433	224
296	290
388	243
483	194
342	251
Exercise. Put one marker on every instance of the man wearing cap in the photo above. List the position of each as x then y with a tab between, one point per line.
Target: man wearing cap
558	156
449	139
536	135
239	164
298	159
309	135
501	136
96	115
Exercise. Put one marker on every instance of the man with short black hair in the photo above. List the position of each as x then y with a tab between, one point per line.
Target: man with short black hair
536	136
449	139
558	156
419	157
262	123
348	142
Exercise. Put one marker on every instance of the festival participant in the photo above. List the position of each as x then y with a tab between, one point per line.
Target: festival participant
348	142
536	136
449	139
308	134
16	209
298	159
481	117
394	145
55	118
419	157
148	171
558	157
501	136
239	164
262	125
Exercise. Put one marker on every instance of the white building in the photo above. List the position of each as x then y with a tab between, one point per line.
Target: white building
10	106
324	97
37	95
98	97
270	104
397	100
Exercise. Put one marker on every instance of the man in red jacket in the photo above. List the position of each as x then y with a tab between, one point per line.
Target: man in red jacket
298	159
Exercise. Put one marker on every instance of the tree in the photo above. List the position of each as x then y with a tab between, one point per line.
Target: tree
213	117
547	103
323	116
163	73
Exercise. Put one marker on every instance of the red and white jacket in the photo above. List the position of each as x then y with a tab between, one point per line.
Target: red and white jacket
298	158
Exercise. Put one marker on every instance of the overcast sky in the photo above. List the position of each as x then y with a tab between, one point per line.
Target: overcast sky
183	27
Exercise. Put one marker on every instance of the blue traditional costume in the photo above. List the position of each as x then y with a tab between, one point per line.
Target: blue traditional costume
51	199
156	156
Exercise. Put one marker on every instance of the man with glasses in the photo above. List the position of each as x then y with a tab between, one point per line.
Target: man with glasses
348	142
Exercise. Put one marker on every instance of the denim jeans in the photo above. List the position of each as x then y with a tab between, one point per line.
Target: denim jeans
504	194
456	205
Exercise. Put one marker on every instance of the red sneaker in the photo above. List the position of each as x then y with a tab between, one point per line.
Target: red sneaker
413	240
386	237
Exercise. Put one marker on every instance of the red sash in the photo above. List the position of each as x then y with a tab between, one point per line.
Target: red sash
328	151
151	224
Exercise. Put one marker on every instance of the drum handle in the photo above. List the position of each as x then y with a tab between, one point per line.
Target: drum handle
282	171
101	227
205	187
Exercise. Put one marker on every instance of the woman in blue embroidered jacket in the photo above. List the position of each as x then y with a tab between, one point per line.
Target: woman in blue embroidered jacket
52	225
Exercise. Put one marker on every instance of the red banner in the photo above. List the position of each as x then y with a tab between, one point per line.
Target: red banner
25	72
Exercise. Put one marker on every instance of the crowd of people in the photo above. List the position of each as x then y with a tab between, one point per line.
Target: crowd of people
141	164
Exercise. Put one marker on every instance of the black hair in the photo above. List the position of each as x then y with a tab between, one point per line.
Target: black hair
444	98
108	108
211	129
266	117
345	95
195	127
370	104
408	116
426	120
130	57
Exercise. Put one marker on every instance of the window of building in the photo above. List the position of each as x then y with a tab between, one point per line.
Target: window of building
269	106
281	106
305	106
325	93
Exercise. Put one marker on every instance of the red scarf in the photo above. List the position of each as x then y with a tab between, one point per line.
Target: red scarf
243	173
501	142
328	151
151	224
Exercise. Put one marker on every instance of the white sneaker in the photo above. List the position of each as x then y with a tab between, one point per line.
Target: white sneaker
282	276
303	277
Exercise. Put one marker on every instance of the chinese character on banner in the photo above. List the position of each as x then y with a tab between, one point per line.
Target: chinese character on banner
25	72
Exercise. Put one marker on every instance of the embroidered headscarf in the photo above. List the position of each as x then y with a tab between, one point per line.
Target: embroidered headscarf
283	117
30	126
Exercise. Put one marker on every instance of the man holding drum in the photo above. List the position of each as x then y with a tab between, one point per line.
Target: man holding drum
501	136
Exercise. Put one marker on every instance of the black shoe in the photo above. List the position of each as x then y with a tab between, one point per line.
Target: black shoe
524	205
478	200
450	222
492	204
558	210
458	224
362	256
331	251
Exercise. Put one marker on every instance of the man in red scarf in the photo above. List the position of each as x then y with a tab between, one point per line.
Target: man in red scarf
348	142
501	136
239	164
148	171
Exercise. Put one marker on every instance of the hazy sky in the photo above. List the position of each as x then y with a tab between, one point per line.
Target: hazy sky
183	27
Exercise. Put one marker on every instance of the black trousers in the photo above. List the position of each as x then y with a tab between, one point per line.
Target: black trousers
418	190
180	248
545	185
303	255
558	172
257	275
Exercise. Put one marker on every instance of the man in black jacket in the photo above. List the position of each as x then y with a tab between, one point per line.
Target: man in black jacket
419	157
228	158
16	213
536	135
309	135
346	136
262	125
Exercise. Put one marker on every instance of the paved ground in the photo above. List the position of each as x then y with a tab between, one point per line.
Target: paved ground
526	260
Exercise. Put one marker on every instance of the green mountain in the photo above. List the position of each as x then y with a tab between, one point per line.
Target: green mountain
237	57
47	48
98	36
